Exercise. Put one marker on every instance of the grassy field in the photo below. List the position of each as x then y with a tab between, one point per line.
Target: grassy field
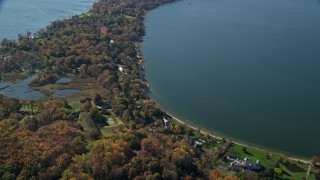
85	14
268	163
111	121
109	130
23	74
28	109
87	89
261	155
75	105
15	76
129	18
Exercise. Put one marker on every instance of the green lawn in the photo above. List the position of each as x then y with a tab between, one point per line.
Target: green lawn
111	121
110	130
75	106
23	74
26	109
129	18
85	14
255	154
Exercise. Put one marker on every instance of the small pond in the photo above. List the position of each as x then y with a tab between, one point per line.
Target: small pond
22	91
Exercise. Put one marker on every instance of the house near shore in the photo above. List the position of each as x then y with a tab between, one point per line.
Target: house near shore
24	69
199	142
99	108
120	69
166	122
162	123
244	164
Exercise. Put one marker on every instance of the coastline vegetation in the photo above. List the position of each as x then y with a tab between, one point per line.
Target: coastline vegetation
111	129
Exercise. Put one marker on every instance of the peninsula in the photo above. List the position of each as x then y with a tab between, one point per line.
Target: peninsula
109	128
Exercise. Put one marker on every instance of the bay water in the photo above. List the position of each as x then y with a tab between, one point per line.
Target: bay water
246	69
21	16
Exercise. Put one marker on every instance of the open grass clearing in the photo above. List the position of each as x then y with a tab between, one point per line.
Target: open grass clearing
129	18
28	109
110	130
111	121
88	14
255	154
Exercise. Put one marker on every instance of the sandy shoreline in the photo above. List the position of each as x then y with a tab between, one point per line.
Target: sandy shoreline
236	142
205	132
214	135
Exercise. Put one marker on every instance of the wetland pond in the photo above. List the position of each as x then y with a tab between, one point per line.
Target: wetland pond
22	91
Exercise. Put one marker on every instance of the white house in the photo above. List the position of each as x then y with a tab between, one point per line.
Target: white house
199	142
166	122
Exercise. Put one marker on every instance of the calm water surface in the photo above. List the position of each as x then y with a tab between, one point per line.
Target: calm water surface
21	90
247	69
20	16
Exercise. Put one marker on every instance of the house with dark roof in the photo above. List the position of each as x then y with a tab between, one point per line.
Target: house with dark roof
245	164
